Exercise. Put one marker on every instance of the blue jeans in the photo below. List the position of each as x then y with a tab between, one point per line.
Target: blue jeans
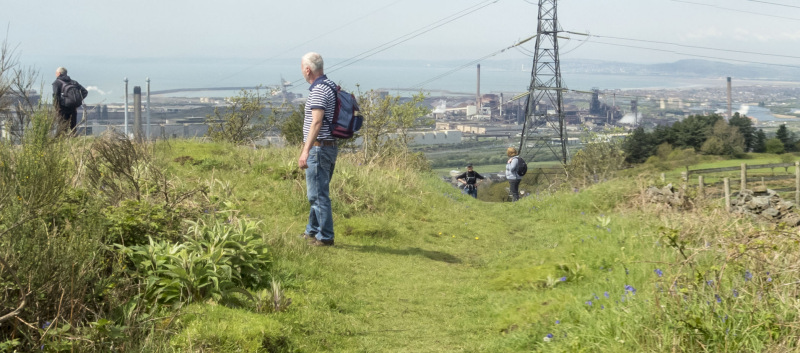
321	161
513	188
472	191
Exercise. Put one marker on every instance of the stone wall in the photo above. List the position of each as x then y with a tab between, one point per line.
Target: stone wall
766	205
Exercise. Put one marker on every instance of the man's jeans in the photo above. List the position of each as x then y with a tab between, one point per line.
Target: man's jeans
321	161
472	190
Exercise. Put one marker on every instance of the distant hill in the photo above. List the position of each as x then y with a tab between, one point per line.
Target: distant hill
686	68
682	68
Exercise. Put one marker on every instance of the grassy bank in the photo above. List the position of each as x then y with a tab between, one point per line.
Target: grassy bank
419	267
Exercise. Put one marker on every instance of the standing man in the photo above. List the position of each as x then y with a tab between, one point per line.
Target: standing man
318	156
511	173
470	177
68	95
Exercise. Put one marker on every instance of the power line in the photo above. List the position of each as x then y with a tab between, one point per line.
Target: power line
687	46
776	4
308	41
695	55
736	10
406	37
473	62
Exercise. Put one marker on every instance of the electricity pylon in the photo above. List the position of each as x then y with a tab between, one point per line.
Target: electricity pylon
544	126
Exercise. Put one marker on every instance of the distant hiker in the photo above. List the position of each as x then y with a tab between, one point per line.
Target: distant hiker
511	173
470	178
68	95
318	156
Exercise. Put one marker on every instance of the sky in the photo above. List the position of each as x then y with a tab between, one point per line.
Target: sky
346	31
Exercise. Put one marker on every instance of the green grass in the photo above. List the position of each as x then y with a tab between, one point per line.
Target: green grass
418	267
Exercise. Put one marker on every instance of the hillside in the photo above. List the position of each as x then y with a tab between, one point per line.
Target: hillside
419	267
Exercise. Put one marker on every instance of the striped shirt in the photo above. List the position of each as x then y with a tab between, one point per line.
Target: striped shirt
322	96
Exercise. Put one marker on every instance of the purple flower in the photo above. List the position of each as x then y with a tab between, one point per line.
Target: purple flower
605	294
719	299
602	307
710	282
549	335
769	279
629	288
564	279
747	275
659	273
46	325
558	322
595	296
735	293
589	302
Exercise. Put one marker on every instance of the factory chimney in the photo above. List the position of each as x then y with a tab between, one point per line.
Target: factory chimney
730	110
478	101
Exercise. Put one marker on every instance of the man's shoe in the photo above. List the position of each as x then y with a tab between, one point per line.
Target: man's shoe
306	236
317	242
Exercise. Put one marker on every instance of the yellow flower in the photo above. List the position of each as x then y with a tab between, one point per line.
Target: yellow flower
454	236
440	233
476	238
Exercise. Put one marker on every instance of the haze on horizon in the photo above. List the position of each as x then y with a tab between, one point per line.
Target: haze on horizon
47	32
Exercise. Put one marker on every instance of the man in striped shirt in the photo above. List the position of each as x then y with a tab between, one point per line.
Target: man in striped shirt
318	156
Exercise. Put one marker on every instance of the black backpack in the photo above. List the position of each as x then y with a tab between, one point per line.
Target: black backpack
71	94
522	167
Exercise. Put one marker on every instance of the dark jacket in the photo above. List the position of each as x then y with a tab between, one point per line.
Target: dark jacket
59	83
470	177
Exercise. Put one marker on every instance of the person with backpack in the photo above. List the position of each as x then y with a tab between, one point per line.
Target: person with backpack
318	156
512	172
68	95
470	178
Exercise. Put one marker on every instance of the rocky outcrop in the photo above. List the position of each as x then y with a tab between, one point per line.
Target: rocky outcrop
767	205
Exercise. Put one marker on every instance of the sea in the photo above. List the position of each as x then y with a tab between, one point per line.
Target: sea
104	77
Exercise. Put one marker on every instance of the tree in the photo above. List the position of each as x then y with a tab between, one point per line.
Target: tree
774	145
785	137
292	126
638	146
745	126
724	139
693	131
760	142
387	122
243	120
596	162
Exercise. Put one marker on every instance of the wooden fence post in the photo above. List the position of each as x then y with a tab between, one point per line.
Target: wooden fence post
727	194
797	183
700	187
744	176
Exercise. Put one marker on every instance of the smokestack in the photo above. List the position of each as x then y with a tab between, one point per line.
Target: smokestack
137	113
730	110
478	100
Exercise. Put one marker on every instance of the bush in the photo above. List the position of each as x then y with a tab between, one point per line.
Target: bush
215	261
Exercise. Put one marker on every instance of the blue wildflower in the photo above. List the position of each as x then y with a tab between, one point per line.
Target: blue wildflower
629	288
735	293
747	275
549	335
46	325
719	299
602	307
710	282
595	296
558	322
659	273
769	279
564	279
589	302
605	294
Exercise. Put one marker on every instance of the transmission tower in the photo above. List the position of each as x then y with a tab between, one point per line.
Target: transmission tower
544	126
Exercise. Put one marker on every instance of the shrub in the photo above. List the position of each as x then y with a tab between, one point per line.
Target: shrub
214	261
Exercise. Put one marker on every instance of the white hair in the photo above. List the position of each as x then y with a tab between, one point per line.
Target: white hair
314	62
61	71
